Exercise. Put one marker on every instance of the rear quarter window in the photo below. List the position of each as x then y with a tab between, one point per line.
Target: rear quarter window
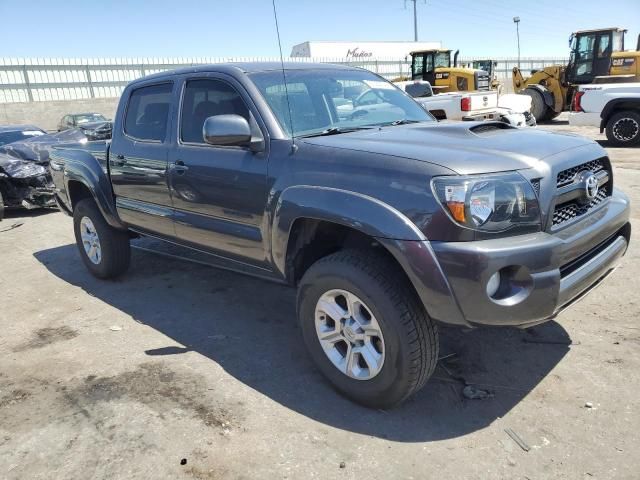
148	112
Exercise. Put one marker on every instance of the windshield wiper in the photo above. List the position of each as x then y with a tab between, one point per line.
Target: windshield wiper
402	121
335	131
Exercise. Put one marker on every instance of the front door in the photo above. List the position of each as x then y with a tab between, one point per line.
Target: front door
138	161
219	193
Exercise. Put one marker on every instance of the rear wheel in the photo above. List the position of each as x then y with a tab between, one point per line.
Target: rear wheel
365	328
104	250
538	107
623	128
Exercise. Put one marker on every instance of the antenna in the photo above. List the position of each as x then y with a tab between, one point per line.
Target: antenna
284	75
415	17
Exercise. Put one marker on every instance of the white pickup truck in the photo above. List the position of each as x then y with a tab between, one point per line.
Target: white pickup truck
485	105
614	107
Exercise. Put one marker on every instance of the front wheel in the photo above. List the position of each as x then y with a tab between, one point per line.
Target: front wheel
623	129
538	107
365	328
104	250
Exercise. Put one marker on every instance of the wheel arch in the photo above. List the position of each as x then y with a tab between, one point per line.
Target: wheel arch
301	211
354	211
617	105
84	177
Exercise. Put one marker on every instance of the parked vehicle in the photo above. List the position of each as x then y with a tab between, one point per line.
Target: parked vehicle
94	126
17	133
25	181
615	108
597	56
386	221
434	66
473	106
488	66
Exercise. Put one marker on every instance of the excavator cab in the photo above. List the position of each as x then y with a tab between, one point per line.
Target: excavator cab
425	62
434	66
591	53
488	66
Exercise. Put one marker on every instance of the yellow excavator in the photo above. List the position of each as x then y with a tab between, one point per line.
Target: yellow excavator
434	66
597	56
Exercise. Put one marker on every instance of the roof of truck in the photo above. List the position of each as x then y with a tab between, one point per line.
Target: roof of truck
246	67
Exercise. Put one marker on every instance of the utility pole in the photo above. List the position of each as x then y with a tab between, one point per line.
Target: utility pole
415	17
517	21
415	20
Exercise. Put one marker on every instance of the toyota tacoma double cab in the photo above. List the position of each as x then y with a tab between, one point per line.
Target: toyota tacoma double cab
386	221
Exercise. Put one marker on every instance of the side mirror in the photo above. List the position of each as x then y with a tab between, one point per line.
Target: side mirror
227	130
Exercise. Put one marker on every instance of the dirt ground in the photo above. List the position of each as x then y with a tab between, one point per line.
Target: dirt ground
178	362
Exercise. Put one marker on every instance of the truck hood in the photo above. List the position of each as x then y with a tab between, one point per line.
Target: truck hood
464	147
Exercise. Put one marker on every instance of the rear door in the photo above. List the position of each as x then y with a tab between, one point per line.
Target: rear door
219	193
138	159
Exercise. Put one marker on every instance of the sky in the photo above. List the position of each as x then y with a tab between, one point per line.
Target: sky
246	28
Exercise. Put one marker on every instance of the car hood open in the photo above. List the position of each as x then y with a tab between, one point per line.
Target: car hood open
464	147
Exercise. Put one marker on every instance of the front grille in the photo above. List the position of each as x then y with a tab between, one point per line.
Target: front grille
566	177
571	210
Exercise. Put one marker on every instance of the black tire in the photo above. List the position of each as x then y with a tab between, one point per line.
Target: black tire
623	129
114	244
551	114
410	335
538	107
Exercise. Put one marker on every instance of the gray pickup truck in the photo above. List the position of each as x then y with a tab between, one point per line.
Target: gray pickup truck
337	182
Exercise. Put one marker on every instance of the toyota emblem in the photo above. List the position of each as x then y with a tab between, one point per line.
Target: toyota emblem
591	187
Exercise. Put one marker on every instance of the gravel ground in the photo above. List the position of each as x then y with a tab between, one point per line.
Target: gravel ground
178	370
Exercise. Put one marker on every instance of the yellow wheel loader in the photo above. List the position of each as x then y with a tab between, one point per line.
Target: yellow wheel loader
488	66
596	56
434	66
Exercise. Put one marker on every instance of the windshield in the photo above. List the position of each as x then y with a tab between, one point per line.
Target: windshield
443	59
324	99
483	65
89	117
18	135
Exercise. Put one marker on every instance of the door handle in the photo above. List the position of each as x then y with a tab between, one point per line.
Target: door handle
179	167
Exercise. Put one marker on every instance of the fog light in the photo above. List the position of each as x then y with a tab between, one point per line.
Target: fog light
493	284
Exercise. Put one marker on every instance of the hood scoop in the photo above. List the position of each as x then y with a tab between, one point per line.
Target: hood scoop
490	127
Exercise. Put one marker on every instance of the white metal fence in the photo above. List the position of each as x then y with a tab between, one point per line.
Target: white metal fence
41	80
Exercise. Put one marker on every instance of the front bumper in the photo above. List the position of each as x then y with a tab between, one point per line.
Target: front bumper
544	272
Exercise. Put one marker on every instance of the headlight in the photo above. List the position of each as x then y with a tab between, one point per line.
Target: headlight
89	133
489	203
24	169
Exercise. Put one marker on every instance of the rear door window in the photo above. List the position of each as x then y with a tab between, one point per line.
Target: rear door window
148	112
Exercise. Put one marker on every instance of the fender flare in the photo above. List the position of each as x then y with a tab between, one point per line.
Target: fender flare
612	106
395	232
355	210
82	167
546	95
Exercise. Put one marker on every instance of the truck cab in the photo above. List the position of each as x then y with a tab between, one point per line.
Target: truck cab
591	52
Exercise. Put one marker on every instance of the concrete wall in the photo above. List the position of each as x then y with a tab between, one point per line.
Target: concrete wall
46	115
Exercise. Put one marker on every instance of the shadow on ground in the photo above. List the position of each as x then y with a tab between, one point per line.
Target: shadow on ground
247	326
